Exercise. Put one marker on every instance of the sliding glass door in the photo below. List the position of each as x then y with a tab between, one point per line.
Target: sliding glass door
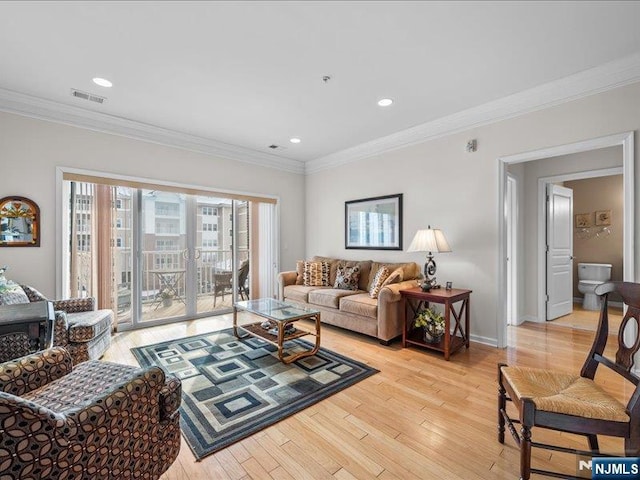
171	255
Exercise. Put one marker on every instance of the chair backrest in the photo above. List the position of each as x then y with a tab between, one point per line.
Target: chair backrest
243	272
630	294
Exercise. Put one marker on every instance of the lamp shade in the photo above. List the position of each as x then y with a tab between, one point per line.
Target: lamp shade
429	240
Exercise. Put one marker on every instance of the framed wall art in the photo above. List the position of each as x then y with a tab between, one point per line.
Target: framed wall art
603	217
374	223
19	222
583	220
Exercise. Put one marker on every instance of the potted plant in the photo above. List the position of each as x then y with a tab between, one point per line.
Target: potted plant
167	298
432	323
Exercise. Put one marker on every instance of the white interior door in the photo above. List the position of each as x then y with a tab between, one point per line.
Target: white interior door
559	251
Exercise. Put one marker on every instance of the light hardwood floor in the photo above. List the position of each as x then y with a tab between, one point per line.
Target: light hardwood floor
419	418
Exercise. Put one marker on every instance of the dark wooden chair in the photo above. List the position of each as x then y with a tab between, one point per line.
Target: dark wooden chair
572	403
243	276
221	285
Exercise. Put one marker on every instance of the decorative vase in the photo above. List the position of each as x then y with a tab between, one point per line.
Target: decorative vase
430	337
167	302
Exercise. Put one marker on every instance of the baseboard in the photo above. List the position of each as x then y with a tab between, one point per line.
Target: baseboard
529	318
492	342
613	304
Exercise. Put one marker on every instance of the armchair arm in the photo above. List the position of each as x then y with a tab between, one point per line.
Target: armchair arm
25	374
60	329
284	279
72	305
170	397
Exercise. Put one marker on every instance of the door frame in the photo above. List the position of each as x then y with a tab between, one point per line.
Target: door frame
512	225
626	140
61	224
542	225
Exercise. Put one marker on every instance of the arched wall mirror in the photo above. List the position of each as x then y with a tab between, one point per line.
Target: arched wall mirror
19	222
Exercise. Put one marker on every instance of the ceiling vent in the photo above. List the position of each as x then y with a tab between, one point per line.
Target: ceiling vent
87	96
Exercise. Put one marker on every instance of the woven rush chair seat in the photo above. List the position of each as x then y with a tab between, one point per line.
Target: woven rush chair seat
572	403
558	392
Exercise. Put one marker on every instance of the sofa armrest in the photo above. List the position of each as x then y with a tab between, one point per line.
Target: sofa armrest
72	305
25	374
60	329
170	398
391	293
284	279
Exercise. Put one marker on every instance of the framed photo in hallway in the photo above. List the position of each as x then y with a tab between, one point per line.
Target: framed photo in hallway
603	217
374	223
583	220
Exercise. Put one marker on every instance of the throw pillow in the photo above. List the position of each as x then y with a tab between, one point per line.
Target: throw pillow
300	272
396	276
13	294
347	277
378	281
316	274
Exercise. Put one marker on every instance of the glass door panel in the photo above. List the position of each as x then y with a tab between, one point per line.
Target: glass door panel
164	254
213	254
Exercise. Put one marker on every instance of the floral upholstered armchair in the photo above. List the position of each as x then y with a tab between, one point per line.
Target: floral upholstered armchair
97	420
84	331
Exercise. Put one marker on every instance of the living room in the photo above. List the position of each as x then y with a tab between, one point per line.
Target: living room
588	94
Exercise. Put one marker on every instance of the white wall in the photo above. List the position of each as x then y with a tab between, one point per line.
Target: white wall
548	167
31	149
457	191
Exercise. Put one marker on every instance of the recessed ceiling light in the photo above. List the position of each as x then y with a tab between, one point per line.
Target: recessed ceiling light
385	102
103	82
295	140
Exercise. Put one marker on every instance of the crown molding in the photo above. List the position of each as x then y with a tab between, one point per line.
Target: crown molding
588	82
34	107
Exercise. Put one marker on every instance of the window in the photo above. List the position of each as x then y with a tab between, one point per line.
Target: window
212	211
118	223
209	242
118	242
125	278
209	227
118	203
165	245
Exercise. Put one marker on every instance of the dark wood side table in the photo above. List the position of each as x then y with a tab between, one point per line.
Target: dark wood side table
416	301
32	320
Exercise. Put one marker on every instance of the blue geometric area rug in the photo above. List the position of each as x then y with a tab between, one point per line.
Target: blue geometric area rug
234	388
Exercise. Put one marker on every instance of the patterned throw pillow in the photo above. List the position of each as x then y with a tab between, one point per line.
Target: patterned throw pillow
13	294
378	281
347	277
396	276
316	274
300	272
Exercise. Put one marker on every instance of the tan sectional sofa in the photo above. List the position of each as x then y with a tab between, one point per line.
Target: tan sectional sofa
355	310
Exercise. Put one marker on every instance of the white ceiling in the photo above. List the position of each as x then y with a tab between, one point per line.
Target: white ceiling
250	73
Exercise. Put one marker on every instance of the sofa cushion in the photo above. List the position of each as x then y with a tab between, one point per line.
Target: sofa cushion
347	277
378	281
316	274
299	293
330	297
365	270
360	304
85	326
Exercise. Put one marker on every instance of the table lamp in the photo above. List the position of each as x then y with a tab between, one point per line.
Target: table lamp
432	241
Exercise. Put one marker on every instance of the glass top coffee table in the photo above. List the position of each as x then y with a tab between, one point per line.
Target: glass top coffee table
273	320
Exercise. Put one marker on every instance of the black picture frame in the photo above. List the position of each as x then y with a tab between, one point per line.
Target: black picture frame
373	223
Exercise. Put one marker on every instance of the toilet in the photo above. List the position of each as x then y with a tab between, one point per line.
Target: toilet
590	275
